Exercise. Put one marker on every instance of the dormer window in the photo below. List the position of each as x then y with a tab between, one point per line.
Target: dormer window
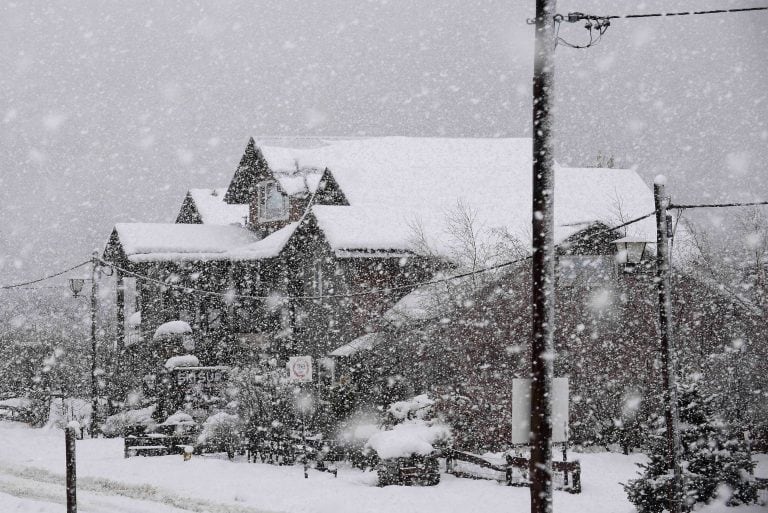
272	203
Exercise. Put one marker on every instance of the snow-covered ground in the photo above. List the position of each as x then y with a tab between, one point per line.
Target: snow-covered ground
32	477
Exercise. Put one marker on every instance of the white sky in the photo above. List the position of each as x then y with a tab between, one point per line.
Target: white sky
110	111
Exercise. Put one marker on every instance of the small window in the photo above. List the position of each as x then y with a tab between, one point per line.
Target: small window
318	286
272	203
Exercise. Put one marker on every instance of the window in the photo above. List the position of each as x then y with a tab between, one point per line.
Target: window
272	203
317	279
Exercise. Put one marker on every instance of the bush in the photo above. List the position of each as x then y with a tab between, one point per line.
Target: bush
222	432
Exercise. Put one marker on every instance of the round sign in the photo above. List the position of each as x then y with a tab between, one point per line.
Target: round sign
300	368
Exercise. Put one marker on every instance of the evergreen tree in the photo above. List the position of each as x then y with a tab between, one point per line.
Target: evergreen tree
709	458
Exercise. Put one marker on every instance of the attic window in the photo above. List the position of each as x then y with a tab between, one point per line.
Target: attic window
272	203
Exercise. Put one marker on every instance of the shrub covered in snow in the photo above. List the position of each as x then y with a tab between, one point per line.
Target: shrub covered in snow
222	432
413	437
117	425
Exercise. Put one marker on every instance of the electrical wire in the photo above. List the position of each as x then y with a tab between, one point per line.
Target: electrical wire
718	205
600	24
685	13
374	291
23	284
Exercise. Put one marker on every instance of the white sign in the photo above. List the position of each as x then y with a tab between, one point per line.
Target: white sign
521	410
300	369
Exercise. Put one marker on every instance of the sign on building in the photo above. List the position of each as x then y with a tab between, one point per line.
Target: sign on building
209	381
521	410
300	369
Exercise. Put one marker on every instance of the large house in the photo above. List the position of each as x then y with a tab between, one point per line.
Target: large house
314	240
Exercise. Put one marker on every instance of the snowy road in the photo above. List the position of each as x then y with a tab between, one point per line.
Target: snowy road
32	480
31	489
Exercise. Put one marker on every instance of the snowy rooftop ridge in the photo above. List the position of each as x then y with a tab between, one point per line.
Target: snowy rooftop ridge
394	183
174	241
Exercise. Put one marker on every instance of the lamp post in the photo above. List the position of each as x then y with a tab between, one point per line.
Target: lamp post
76	286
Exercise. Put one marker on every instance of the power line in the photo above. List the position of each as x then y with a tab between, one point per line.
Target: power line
18	285
597	25
719	205
682	13
384	290
375	291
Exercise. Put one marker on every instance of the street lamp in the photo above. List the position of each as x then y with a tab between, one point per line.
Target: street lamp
76	285
630	252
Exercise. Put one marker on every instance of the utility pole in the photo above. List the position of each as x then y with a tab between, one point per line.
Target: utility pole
668	358
543	259
94	366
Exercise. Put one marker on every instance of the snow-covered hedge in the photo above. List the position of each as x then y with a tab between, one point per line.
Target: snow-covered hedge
116	425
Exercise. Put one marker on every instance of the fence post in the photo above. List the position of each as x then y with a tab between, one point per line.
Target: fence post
70	435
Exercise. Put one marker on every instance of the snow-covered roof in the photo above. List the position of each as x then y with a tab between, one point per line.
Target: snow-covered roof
150	242
212	209
363	343
268	247
370	228
394	183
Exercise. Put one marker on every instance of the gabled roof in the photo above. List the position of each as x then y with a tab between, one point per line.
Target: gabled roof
153	242
212	209
395	183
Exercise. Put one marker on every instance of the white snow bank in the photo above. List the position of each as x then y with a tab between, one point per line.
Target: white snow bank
172	328
408	438
416	406
186	360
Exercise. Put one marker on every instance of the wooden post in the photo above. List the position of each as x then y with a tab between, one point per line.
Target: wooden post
120	304
667	349
94	362
70	435
543	260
